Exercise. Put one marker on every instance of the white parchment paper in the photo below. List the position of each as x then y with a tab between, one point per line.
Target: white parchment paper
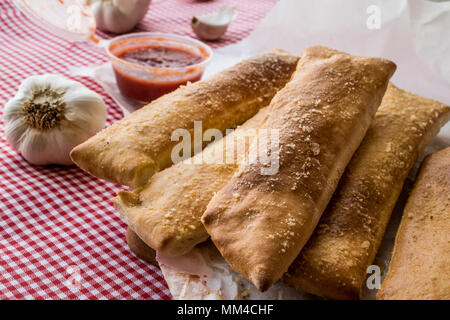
414	34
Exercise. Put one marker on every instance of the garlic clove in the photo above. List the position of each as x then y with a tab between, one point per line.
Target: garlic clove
37	149
213	25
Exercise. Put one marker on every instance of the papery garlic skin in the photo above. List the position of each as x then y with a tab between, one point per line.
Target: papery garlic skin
118	16
213	25
49	116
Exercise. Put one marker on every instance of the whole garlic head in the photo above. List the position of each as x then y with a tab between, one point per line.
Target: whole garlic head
118	16
49	116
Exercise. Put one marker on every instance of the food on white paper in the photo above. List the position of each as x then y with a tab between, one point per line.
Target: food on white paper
334	262
118	16
204	274
49	116
419	268
213	25
262	218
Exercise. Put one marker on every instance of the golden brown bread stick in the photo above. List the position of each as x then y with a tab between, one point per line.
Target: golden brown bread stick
334	262
260	222
139	248
131	150
420	263
166	212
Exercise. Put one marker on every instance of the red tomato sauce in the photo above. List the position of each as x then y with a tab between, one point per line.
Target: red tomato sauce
146	90
160	57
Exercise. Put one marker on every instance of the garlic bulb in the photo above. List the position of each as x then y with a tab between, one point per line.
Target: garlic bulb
49	116
118	16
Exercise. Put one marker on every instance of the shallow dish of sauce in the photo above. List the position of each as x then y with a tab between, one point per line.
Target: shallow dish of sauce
148	65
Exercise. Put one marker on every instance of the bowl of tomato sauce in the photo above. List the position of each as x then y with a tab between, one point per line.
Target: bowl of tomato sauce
148	65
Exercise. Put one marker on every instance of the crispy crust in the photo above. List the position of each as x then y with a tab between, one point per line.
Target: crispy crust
166	212
260	223
334	262
139	248
419	267
131	150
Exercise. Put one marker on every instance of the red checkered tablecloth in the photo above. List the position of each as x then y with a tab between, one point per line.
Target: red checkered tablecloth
60	237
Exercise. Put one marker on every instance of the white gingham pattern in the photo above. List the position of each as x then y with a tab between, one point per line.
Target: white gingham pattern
60	237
